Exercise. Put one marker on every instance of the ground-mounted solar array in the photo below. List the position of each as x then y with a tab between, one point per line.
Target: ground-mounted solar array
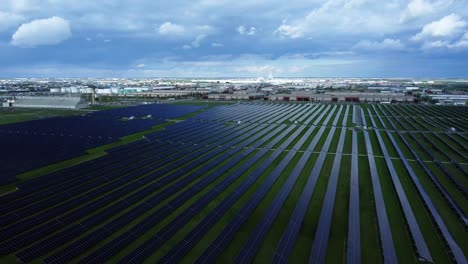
32	144
260	182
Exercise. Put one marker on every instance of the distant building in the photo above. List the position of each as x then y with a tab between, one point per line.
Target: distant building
450	99
56	102
434	91
412	88
172	93
236	96
341	97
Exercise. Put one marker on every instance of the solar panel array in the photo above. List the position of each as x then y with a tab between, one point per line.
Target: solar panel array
240	183
416	233
455	250
354	232
290	235
37	143
386	237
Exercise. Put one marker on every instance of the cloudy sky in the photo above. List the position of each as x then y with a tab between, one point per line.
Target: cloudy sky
233	38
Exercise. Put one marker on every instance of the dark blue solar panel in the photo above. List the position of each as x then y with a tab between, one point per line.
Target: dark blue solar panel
434	179
229	231
354	227
384	226
455	250
416	233
101	219
65	254
255	240
288	238
151	170
41	142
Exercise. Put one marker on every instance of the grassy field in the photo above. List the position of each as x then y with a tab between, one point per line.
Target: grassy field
410	120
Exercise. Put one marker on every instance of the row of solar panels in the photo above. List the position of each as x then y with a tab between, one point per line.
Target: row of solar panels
165	111
137	210
446	117
253	243
256	238
206	198
110	248
291	112
289	236
39	143
160	162
260	134
386	238
455	250
443	153
322	235
207	223
438	122
68	177
425	127
62	174
195	157
442	167
410	219
150	221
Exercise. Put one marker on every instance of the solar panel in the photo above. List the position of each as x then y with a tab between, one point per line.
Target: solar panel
117	224
354	233
319	247
384	226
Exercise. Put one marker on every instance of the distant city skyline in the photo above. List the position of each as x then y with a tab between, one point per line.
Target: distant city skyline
224	38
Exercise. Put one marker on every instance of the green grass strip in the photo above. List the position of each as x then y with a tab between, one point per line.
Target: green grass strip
400	232
337	243
305	238
371	251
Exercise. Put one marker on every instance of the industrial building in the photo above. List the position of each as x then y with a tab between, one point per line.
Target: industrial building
317	97
340	97
57	102
171	93
236	95
450	99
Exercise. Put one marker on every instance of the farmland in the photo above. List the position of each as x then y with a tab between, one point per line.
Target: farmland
257	182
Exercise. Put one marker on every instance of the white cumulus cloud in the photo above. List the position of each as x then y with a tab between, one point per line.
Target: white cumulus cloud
342	18
289	31
169	28
447	27
196	42
460	44
246	31
435	44
422	8
186	31
49	31
386	44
